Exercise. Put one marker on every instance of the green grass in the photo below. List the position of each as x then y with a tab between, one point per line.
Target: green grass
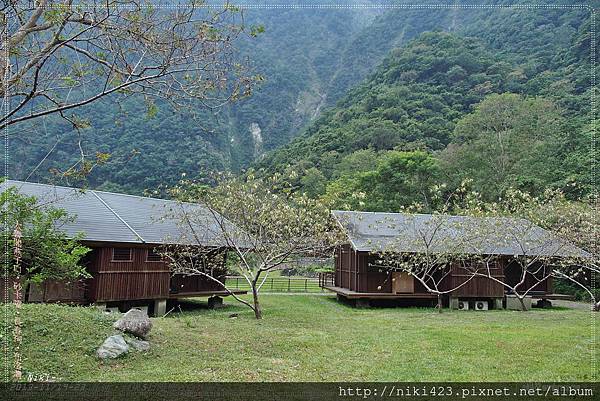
314	338
278	283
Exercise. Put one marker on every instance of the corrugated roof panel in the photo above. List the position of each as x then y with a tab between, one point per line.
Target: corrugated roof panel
159	221
112	217
372	232
92	217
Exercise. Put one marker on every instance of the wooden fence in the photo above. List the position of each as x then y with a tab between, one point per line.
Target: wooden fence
326	279
278	284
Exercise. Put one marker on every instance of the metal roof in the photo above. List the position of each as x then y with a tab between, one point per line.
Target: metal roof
418	233
112	217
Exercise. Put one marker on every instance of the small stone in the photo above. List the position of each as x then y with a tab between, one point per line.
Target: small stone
135	322
113	347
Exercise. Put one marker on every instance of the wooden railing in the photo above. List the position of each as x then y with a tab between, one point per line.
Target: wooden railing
278	284
326	279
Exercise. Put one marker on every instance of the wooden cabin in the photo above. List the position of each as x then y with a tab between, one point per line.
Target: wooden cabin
361	277
124	233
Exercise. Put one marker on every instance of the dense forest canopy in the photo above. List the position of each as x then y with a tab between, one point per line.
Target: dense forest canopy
382	102
507	108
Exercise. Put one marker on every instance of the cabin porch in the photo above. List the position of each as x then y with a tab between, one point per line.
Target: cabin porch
377	295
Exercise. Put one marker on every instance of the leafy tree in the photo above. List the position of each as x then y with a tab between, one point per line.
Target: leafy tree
45	252
121	48
578	161
476	251
359	161
35	251
508	140
429	251
313	182
345	193
399	180
569	222
71	67
262	223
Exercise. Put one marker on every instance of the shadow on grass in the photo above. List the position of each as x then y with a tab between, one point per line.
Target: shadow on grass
418	306
556	308
231	308
200	306
383	303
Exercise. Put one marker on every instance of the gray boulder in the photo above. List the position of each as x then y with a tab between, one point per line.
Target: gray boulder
138	345
135	322
113	347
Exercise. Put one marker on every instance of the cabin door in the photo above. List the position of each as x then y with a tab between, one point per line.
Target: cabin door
402	283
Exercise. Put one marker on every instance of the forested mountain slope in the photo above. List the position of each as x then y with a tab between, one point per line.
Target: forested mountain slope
297	56
425	116
310	58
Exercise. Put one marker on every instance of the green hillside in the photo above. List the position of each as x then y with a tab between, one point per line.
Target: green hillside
429	114
311	60
296	55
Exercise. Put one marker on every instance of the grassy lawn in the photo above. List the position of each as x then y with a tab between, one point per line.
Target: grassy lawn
314	338
275	282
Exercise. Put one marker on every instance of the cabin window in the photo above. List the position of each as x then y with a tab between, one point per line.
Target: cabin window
122	254
153	256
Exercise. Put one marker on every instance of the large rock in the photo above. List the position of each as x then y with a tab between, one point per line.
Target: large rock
113	347
135	322
138	345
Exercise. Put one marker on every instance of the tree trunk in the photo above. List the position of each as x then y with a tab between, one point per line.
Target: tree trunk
257	309
523	307
439	303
